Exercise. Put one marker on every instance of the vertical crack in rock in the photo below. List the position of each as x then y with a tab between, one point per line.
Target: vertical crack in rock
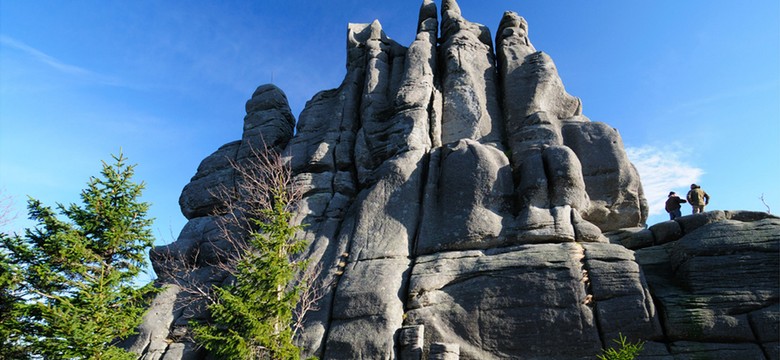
418	97
434	109
429	197
620	294
590	299
469	87
475	298
391	154
328	214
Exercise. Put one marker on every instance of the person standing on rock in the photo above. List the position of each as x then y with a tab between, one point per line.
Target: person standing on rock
673	205
698	199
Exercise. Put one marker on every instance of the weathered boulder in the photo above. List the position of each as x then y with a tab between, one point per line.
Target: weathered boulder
468	198
499	303
632	238
268	122
153	334
199	197
718	286
616	196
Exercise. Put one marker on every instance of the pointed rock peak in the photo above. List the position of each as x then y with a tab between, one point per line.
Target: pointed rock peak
357	33
376	30
360	33
267	96
428	20
514	26
273	89
454	22
512	19
427	10
449	7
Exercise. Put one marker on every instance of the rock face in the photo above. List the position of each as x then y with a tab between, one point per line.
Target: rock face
463	207
714	278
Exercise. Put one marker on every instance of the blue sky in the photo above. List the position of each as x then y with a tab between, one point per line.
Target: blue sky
693	86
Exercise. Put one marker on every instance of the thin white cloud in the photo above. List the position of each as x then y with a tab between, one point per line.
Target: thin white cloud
662	171
43	57
695	105
56	64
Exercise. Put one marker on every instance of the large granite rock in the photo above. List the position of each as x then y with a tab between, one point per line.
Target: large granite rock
460	205
476	298
717	286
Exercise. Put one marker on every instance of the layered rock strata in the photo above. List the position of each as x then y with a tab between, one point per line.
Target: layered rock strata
462	206
714	278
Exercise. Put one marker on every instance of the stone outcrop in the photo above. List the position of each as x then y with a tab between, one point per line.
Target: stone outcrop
714	277
461	206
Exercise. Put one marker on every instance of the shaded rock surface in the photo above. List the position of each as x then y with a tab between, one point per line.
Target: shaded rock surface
462	206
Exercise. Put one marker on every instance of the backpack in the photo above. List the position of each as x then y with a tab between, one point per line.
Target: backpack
697	196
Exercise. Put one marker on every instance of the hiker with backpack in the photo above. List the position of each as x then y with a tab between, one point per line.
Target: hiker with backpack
698	199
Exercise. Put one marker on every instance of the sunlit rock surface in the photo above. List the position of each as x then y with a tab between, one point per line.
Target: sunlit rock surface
462	206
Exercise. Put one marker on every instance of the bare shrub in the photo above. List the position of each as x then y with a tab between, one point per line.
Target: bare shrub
261	178
7	214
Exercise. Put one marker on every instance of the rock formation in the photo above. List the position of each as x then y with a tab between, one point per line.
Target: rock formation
463	206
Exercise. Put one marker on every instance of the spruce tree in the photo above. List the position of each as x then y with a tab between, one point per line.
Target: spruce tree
11	346
70	281
252	317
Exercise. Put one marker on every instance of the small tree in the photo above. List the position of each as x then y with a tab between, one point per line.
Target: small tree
625	350
253	317
70	284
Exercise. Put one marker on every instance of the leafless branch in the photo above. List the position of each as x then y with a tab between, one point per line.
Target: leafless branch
763	201
261	177
6	209
314	289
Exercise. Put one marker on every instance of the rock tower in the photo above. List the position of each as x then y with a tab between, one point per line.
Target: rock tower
462	206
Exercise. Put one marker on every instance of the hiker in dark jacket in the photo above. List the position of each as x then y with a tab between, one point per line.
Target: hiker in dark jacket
673	205
698	199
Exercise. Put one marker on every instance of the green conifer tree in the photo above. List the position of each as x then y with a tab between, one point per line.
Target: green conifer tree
625	350
77	276
252	318
11	303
